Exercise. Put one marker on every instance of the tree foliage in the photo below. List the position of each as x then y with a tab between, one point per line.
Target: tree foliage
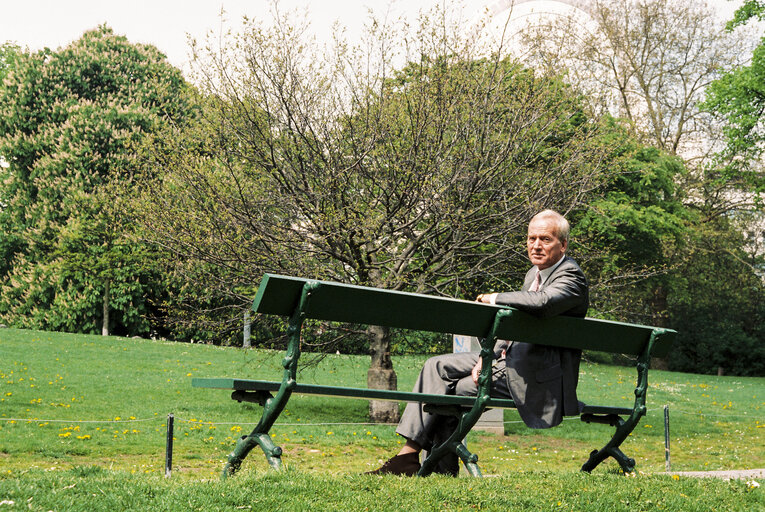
739	98
412	162
70	121
9	53
633	228
717	305
654	63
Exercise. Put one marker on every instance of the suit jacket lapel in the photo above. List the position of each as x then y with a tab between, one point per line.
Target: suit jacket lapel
529	279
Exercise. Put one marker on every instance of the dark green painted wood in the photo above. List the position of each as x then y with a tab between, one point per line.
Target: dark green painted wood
339	302
278	295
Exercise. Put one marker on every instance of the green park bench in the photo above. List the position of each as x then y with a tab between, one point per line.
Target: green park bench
302	299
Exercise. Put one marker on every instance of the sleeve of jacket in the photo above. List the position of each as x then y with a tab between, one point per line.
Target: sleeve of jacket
564	293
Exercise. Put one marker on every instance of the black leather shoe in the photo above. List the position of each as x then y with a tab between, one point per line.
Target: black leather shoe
406	465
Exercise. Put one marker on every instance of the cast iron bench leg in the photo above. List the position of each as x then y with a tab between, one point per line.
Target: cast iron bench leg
624	427
452	444
273	406
468	419
257	437
243	447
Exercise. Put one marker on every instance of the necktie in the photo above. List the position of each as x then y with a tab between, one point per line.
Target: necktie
537	282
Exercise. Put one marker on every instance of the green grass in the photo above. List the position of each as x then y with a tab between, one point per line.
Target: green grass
86	489
91	411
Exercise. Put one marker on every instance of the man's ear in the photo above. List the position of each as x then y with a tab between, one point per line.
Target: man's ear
564	243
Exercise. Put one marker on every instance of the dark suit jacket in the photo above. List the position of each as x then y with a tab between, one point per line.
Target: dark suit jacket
542	379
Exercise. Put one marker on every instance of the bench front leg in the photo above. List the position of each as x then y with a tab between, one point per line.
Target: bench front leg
612	448
273	406
467	420
453	443
624	427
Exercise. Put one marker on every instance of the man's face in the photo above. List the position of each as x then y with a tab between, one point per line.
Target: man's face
545	249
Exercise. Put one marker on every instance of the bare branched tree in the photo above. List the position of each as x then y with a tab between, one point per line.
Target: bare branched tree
649	61
413	162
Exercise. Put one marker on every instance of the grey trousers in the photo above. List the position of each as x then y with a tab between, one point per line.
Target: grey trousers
448	374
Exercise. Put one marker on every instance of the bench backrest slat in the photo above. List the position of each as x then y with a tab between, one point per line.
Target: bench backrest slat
337	302
279	295
586	333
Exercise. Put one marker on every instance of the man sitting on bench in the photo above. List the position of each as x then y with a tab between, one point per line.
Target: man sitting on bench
540	379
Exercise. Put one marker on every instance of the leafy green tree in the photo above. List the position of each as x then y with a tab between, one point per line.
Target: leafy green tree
739	98
634	231
9	54
653	63
719	292
717	305
70	123
749	10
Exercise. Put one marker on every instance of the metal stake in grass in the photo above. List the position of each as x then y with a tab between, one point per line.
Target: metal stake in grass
667	462
169	446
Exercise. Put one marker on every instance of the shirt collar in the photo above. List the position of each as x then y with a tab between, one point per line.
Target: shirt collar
549	270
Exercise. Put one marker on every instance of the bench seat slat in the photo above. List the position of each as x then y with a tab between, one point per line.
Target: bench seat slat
374	394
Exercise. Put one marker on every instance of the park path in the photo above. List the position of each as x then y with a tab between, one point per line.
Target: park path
725	475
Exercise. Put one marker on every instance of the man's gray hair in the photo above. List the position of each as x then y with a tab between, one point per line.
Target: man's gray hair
562	227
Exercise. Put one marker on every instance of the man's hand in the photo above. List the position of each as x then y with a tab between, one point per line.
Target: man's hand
486	298
477	370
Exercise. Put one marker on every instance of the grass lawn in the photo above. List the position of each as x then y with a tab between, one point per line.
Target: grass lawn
79	414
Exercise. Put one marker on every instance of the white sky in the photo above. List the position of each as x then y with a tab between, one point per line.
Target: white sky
36	24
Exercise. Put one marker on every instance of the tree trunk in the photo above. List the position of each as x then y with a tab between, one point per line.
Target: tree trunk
381	375
105	324
246	334
659	308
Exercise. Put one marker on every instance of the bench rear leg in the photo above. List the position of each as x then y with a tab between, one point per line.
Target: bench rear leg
611	449
597	456
243	447
623	427
273	405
